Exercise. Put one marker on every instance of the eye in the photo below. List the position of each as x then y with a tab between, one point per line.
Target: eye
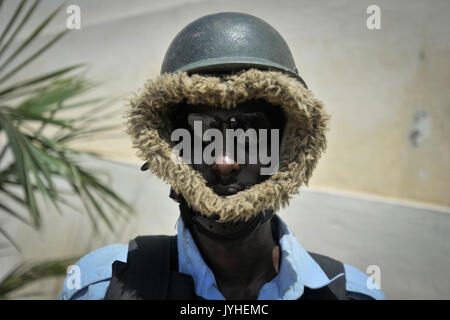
206	122
255	120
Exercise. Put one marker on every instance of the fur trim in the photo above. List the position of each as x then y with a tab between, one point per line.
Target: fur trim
303	141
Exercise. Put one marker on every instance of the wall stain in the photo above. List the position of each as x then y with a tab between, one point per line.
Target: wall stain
421	128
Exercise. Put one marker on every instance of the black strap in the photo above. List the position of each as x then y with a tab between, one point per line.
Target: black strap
335	290
151	273
226	231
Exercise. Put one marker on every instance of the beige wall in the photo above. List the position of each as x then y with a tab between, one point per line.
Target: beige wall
388	93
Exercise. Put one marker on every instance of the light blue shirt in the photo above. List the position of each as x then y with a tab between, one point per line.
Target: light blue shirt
297	271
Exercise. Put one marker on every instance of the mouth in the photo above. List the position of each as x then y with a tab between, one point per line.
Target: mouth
227	191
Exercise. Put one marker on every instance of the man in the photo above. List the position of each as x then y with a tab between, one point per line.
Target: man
232	127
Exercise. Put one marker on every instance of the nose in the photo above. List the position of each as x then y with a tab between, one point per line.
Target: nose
225	166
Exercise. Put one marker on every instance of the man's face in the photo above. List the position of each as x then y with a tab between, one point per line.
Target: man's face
228	174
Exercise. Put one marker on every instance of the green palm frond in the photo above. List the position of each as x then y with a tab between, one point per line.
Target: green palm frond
26	273
37	125
41	158
21	24
18	88
26	43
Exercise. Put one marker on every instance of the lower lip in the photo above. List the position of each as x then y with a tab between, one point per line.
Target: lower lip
228	197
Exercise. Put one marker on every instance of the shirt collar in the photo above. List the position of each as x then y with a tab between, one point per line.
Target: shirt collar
297	269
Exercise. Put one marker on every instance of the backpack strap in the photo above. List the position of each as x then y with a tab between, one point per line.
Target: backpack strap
151	272
336	290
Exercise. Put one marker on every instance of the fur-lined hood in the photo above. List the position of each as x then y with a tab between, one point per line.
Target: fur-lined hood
302	144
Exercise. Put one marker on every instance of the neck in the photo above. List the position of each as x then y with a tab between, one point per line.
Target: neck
241	267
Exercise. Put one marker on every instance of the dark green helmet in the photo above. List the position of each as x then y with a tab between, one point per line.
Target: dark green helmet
227	42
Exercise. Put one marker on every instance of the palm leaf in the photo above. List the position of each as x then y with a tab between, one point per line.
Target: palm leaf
33	56
8	237
21	161
26	273
31	37
12	20
4	150
47	160
27	108
8	209
20	115
51	96
37	80
21	24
